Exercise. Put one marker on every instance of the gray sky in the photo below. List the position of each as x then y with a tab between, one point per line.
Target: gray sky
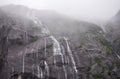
89	9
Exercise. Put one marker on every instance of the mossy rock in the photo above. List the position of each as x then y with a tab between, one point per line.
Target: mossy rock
107	50
98	61
98	76
88	71
80	46
49	46
34	38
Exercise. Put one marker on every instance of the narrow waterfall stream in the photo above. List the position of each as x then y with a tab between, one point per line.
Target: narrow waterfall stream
23	61
71	57
24	53
45	47
117	55
41	73
46	68
38	69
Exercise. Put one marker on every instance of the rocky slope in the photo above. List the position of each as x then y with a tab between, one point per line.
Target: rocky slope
47	45
62	24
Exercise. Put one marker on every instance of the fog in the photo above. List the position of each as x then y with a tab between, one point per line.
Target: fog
80	9
45	44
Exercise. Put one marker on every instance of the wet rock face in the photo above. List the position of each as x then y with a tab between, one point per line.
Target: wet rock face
23	76
30	51
4	31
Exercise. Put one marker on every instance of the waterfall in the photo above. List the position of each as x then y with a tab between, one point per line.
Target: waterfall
71	57
23	62
56	46
46	32
45	47
38	70
65	72
117	55
41	73
23	67
33	70
58	52
46	68
24	53
63	50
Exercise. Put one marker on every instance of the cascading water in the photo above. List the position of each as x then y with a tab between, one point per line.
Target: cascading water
46	69
33	71
58	52
23	62
59	56
117	55
38	69
45	47
46	32
56	46
24	53
41	73
72	59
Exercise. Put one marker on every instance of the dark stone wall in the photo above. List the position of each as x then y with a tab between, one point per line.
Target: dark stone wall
4	31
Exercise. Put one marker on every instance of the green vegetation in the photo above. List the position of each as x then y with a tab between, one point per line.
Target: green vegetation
103	69
80	46
107	50
49	46
98	61
34	38
117	62
98	76
88	72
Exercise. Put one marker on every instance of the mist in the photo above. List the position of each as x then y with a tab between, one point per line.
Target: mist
59	39
79	9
